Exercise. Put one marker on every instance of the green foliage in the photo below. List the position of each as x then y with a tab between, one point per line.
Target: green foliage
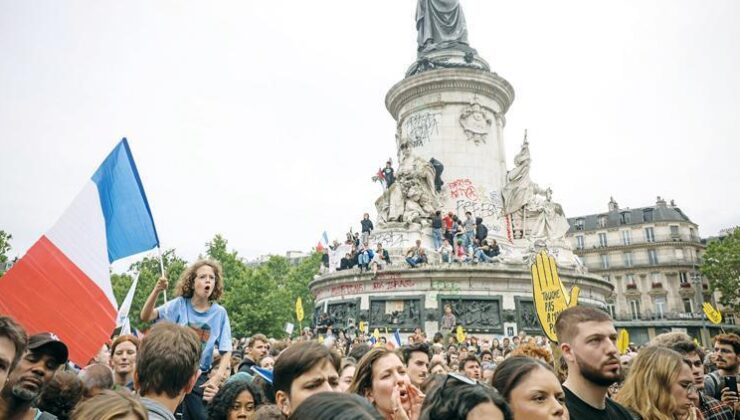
4	247
149	271
721	266
258	299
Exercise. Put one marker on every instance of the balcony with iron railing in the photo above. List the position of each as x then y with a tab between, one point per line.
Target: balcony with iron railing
648	315
640	242
616	262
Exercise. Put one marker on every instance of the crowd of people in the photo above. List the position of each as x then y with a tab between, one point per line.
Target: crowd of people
454	241
189	366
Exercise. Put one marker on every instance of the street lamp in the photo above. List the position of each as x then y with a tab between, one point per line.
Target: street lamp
699	295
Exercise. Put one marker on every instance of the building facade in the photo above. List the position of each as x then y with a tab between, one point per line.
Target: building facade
651	255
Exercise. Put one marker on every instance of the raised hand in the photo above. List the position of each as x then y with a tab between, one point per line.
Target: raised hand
713	315
550	296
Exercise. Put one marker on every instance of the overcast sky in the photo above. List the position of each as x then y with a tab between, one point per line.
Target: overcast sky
264	120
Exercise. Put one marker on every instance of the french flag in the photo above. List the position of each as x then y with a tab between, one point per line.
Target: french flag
396	339
62	284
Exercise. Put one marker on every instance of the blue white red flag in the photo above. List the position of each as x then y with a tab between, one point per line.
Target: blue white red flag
62	284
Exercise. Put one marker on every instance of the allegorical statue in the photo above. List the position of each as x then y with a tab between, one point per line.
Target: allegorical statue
413	196
542	218
519	189
441	25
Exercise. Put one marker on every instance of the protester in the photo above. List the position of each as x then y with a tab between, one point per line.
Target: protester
468	230
111	405
531	388
123	360
302	370
437	230
481	231
257	348
415	255
13	341
586	337
267	362
96	378
235	400
44	355
61	395
445	251
471	366
167	369
459	398
381	378
380	258
727	359
367	228
199	288
346	373
416	358
437	367
333	406
710	408
658	386
449	320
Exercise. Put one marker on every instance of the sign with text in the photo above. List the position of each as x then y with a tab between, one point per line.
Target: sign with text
550	296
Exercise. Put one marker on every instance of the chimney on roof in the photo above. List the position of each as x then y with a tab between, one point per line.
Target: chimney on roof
673	203
660	202
613	206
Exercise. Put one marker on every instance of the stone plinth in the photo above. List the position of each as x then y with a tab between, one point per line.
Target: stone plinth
485	296
456	116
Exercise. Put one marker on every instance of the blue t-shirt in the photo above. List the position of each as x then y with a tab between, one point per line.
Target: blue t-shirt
212	326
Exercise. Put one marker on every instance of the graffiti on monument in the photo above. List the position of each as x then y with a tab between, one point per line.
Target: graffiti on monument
446	286
475	313
390	281
403	314
419	128
463	188
389	239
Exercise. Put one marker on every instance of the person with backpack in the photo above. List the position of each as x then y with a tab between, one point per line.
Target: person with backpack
727	358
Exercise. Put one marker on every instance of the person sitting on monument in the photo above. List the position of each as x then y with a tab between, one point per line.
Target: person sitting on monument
380	259
481	231
364	256
445	251
415	255
461	254
483	252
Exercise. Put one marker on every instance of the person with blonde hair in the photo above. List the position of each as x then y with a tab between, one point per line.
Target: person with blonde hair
196	306
110	405
659	386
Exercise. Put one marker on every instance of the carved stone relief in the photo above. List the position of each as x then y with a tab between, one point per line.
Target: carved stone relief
475	314
402	314
476	123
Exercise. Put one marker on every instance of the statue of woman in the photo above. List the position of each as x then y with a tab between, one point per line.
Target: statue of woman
441	25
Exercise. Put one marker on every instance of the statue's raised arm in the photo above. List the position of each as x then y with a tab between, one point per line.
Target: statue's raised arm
441	25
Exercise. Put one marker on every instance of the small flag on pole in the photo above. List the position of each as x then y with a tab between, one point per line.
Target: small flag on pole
65	274
122	320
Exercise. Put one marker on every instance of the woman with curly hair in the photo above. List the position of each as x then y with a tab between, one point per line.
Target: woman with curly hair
198	290
659	386
236	400
110	405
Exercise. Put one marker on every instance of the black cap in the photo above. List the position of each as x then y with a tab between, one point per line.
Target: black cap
53	345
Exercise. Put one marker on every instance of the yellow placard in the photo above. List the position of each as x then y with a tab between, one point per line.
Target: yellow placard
363	327
714	316
550	296
460	334
376	335
623	341
321	339
299	309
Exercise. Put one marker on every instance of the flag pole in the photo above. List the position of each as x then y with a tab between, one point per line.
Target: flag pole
161	268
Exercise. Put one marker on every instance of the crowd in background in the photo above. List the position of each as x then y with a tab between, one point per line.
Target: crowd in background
189	366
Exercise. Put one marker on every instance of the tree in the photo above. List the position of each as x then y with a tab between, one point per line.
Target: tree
721	266
4	248
262	299
149	271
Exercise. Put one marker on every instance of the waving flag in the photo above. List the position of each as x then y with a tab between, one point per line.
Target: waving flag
122	320
62	284
396	339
